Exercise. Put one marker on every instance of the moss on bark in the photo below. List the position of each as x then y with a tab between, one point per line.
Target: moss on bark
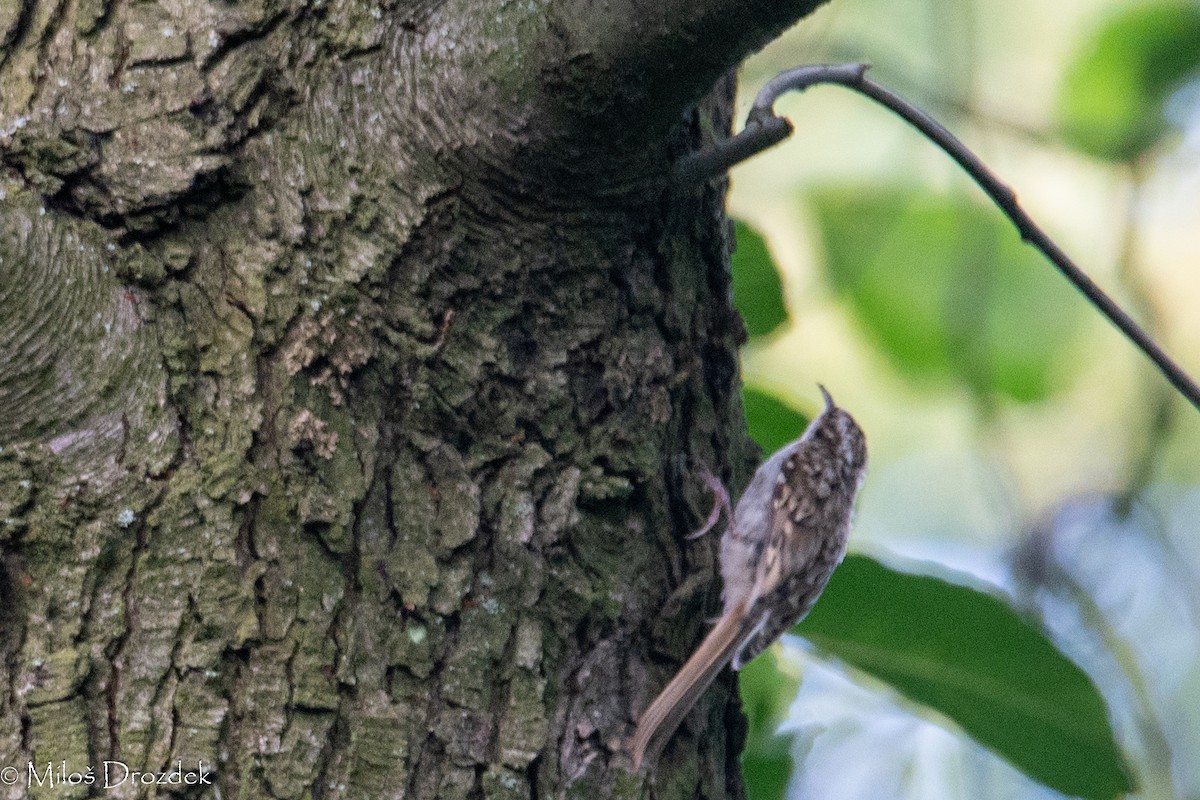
352	380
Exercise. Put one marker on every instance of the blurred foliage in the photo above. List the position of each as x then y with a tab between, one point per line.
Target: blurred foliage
772	423
958	651
757	289
766	692
969	656
1114	91
948	290
758	297
949	299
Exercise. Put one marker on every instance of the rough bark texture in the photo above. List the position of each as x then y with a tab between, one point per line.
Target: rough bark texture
354	361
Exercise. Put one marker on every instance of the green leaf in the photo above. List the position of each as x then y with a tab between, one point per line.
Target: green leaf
1111	103
766	692
948	291
968	655
772	423
757	290
767	771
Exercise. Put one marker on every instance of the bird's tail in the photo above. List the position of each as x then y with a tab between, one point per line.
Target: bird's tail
676	700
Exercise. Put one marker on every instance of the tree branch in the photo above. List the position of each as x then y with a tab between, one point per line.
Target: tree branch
659	56
764	129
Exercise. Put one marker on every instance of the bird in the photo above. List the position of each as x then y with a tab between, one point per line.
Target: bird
785	537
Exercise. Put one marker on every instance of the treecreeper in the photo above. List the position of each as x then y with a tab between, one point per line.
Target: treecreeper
785	537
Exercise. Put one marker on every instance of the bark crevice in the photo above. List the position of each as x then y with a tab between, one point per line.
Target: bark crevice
371	485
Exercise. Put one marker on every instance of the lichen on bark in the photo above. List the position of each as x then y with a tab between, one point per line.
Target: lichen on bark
354	365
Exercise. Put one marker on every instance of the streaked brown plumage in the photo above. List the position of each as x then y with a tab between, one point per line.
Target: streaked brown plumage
787	535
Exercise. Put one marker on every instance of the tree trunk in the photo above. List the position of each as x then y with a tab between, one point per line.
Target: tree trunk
355	365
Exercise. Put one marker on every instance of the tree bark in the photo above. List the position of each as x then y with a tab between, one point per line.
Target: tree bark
355	363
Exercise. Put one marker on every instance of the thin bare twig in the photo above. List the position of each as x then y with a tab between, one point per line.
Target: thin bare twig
764	128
